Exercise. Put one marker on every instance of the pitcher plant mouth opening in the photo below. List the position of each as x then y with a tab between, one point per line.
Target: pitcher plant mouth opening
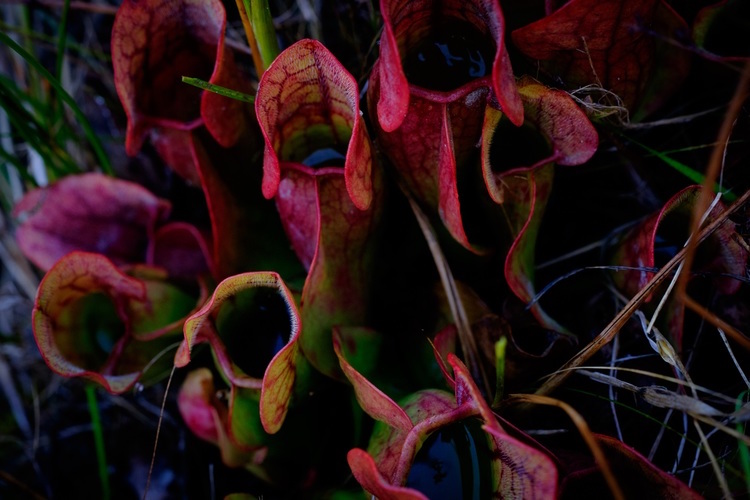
454	462
444	53
254	325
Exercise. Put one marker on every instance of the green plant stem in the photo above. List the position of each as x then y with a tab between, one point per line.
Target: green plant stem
96	428
261	21
96	145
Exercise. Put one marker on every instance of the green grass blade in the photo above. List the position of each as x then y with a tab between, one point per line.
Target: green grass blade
96	145
742	447
62	38
685	170
218	89
96	427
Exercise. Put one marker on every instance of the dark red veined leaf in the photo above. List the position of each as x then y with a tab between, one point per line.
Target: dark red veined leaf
154	44
307	106
638	477
88	212
657	239
92	320
556	131
252	326
429	101
620	45
308	103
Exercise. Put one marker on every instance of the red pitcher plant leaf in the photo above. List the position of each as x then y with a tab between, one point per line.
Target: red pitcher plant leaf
307	107
252	326
638	477
620	45
719	30
92	320
88	212
247	233
657	239
206	416
424	47
154	44
432	426
439	63
556	131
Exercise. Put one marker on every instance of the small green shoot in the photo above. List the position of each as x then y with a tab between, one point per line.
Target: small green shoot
500	347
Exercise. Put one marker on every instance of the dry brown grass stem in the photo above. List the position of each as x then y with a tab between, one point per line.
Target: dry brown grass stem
614	326
713	169
260	68
583	429
465	335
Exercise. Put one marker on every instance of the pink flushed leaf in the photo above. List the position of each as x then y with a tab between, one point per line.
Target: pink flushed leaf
252	326
367	474
154	44
80	321
181	249
638	477
88	212
307	101
410	24
196	402
206	417
372	400
621	45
